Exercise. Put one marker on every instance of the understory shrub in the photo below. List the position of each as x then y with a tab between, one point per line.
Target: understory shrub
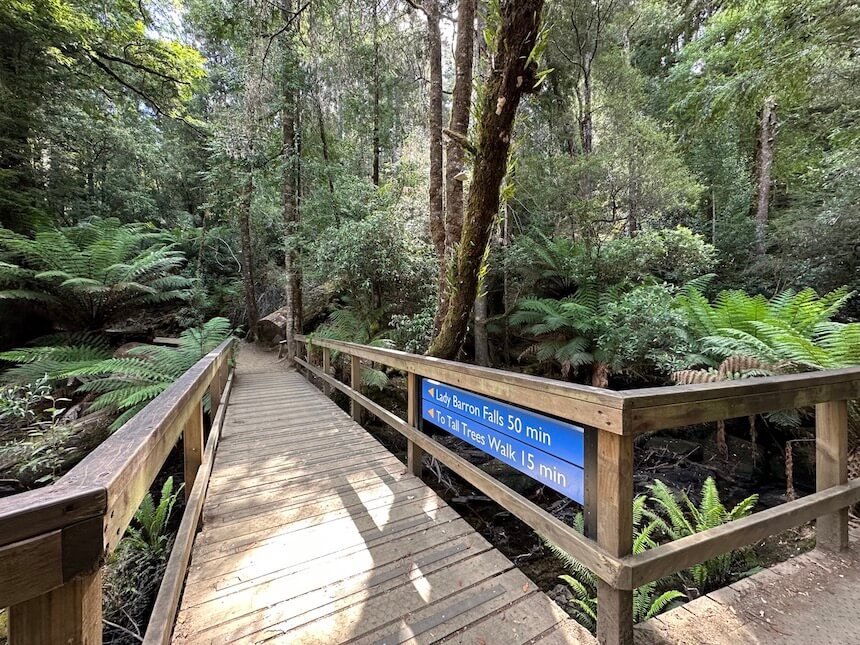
659	518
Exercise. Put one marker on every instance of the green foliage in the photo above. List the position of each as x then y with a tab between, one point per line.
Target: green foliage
89	276
644	334
348	325
149	534
128	383
564	331
648	600
677	519
793	329
413	333
638	332
19	404
55	356
134	571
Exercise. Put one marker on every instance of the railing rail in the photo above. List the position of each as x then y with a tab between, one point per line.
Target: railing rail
612	420
54	540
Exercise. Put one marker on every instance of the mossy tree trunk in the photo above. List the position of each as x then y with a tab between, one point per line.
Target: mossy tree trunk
509	78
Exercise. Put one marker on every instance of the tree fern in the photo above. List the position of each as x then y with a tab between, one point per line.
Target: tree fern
792	329
563	331
53	356
89	276
349	324
128	383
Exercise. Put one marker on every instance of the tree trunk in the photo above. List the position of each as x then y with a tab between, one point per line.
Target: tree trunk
508	79
482	345
437	218
325	153
764	171
632	196
292	268
461	104
375	93
587	115
247	255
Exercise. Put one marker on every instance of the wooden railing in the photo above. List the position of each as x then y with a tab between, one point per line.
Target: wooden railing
611	421
54	540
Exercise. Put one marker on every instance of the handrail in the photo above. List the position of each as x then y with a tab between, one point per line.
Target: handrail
621	416
54	540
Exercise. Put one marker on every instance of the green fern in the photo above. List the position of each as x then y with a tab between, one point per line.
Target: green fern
349	324
678	519
563	331
149	533
127	384
53	356
647	602
88	276
793	329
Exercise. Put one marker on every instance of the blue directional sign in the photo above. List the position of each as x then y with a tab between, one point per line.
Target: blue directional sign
548	450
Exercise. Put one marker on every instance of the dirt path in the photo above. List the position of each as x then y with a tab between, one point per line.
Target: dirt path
813	599
254	358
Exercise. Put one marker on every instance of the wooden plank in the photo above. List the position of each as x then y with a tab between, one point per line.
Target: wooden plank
237	611
377	509
233	510
160	626
326	367
44	510
524	620
355	383
678	555
614	533
651	409
224	564
40	564
69	614
435	621
603	564
343	620
578	403
414	454
290	577
126	463
831	469
192	445
31	568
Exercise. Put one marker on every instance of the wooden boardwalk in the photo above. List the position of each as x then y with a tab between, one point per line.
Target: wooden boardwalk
314	533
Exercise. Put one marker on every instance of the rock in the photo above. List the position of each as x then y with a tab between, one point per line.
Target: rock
561	594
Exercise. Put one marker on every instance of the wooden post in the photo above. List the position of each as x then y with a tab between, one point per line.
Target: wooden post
355	384
831	469
69	614
615	533
414	453
192	441
326	368
590	506
216	387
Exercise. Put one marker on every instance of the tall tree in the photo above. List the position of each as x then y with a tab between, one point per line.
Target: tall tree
458	129
437	215
764	170
433	12
292	266
512	73
376	149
